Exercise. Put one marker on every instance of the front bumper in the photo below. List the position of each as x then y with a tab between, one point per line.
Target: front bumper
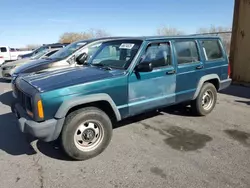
225	83
47	131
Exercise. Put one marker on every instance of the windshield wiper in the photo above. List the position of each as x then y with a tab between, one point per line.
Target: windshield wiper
106	67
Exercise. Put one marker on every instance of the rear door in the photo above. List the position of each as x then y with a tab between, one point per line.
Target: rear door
215	57
190	68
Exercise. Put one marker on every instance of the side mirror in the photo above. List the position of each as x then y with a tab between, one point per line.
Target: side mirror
144	67
82	58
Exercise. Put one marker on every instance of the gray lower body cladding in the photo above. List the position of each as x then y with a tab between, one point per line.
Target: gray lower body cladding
47	131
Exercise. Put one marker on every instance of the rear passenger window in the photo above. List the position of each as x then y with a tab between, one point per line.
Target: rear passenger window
212	49
186	52
3	49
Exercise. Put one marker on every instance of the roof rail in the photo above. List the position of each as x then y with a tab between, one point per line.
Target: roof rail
213	33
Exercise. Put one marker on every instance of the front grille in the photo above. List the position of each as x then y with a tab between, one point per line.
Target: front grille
24	100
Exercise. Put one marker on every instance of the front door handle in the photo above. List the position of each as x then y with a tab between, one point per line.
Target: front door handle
199	67
171	72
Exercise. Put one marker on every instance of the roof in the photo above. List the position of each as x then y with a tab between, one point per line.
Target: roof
101	38
148	38
56	44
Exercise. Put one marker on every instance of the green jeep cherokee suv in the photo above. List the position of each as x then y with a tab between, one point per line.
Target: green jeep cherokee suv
123	78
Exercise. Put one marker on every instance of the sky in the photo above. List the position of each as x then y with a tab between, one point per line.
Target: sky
25	22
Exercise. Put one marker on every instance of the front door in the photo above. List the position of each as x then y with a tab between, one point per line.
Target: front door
149	90
190	69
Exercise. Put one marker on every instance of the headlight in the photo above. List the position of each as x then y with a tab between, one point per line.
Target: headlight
8	68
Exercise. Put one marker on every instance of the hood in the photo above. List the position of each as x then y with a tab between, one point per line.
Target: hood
17	62
26	55
67	77
32	64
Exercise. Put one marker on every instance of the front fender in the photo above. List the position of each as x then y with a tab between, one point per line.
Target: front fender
68	104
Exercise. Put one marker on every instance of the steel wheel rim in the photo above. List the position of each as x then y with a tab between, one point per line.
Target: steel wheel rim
88	135
207	100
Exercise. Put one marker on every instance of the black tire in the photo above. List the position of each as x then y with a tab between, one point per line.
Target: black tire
196	104
72	122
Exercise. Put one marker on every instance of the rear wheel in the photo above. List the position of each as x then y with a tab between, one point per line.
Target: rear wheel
86	133
205	101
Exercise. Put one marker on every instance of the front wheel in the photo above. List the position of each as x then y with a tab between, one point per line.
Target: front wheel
86	133
205	101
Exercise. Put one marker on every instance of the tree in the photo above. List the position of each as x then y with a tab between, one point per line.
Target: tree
168	31
98	33
69	37
213	29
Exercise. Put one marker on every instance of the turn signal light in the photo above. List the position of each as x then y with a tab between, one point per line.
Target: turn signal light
40	109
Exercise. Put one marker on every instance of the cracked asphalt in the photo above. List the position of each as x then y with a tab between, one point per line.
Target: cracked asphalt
170	148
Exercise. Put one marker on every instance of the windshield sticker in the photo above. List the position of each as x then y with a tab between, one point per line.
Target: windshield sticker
126	46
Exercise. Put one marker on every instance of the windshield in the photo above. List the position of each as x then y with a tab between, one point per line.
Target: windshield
116	54
68	50
39	49
89	49
39	54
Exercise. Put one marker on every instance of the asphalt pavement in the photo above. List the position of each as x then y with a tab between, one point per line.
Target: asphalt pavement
170	148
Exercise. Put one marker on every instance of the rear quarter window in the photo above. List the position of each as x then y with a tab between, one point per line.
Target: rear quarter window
212	49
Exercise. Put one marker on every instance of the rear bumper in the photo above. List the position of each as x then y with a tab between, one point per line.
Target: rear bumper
225	83
47	131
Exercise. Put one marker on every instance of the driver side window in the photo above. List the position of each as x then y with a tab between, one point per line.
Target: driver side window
158	54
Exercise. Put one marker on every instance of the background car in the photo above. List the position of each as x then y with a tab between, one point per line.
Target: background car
9	67
66	57
41	48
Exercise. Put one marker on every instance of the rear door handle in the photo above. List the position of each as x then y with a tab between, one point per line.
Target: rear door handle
171	72
199	67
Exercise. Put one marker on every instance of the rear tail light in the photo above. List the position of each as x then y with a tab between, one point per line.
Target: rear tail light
229	70
1	56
